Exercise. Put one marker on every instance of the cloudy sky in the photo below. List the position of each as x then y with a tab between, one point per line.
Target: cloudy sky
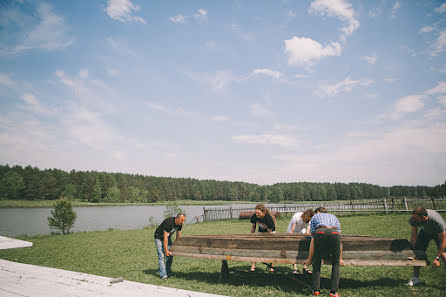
254	91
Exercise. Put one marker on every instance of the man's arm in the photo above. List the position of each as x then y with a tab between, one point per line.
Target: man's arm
178	234
165	243
308	231
442	237
253	228
413	238
293	226
310	254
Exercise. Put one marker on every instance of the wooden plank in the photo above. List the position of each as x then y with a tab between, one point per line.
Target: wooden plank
297	256
291	243
352	262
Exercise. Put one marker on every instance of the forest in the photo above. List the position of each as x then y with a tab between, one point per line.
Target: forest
32	183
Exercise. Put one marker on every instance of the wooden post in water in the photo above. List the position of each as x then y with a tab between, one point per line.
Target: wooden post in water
385	204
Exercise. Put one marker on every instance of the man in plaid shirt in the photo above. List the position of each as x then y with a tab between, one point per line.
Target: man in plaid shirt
325	244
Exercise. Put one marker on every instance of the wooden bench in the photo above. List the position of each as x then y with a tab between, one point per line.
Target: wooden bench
293	248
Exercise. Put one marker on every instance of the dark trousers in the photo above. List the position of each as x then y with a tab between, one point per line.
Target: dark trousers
423	240
327	245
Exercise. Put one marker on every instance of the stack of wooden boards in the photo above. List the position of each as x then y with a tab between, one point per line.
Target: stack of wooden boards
293	248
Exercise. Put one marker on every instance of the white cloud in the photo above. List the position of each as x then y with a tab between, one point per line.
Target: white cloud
122	10
426	29
5	80
435	113
439	89
259	110
119	155
268	139
370	59
344	86
441	9
337	8
395	9
267	72
87	127
112	71
32	104
414	103
391	80
374	158
408	104
178	19
439	44
120	47
244	35
220	118
40	29
402	106
442	100
83	73
218	81
156	106
373	13
200	15
304	51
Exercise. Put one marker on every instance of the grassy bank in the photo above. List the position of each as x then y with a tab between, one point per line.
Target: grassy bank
78	203
131	254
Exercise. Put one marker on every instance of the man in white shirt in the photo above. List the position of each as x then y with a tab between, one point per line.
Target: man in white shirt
300	224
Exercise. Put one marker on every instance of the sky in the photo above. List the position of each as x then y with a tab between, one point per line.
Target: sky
253	91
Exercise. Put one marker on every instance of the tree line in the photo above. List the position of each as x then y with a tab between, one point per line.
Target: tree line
31	183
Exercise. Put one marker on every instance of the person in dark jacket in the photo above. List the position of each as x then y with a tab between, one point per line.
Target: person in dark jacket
432	226
267	224
163	242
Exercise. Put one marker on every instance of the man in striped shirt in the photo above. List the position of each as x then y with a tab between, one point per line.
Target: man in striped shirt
325	244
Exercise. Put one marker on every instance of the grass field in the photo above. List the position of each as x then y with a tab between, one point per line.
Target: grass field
131	254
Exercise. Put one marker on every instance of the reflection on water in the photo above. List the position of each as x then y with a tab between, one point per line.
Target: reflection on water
32	221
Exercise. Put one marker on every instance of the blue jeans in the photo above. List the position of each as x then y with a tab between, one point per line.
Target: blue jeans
164	267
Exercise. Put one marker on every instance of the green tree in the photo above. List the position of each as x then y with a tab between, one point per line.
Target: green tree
11	185
63	216
113	195
172	209
69	191
96	196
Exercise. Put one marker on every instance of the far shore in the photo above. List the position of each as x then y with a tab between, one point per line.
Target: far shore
78	203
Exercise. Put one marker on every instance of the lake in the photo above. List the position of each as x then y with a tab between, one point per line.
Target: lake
32	221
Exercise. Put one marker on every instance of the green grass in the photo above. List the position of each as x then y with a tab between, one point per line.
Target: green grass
131	254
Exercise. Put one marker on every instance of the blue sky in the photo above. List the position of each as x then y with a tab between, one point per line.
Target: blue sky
253	91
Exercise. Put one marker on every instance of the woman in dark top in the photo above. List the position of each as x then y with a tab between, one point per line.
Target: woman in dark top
266	222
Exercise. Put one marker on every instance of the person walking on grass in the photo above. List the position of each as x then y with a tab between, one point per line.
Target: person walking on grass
267	224
326	242
432	226
300	224
163	242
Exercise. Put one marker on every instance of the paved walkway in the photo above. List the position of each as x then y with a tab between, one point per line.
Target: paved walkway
10	243
17	279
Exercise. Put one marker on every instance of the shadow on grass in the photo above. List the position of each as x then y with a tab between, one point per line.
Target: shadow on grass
281	280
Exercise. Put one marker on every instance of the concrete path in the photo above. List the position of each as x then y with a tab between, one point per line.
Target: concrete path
17	279
10	243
